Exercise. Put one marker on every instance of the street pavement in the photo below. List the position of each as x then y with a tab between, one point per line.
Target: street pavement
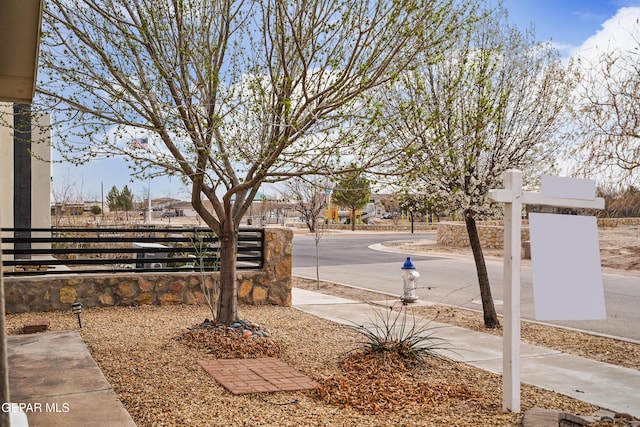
361	260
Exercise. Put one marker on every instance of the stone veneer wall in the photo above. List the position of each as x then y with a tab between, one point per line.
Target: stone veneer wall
271	285
614	222
491	233
419	226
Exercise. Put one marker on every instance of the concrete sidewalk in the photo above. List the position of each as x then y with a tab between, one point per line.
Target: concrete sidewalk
53	377
607	386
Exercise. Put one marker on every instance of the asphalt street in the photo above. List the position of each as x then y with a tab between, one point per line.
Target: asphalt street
358	259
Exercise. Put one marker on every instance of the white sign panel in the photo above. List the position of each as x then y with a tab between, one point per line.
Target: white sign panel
569	188
567	277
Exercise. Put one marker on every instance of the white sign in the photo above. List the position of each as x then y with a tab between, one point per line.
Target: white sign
556	191
567	278
568	188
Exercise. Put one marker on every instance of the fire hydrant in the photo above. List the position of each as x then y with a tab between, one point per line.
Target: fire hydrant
410	278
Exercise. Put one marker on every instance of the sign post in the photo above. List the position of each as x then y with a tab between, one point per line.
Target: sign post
558	192
511	196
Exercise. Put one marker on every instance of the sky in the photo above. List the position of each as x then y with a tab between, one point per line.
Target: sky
569	23
575	27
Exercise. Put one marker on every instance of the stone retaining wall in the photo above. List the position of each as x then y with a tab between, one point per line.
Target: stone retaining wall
271	285
420	226
491	234
614	222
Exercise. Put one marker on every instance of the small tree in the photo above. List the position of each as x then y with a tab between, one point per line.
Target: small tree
126	199
120	200
64	192
352	191
230	94
310	201
418	203
113	199
204	257
495	102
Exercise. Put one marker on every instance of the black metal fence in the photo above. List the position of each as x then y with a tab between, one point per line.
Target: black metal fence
29	251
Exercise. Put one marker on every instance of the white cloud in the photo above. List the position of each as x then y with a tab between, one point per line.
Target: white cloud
565	49
619	33
619	39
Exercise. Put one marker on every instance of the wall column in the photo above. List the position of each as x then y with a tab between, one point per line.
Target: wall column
22	172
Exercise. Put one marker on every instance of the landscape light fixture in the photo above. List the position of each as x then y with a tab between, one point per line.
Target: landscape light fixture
410	278
76	307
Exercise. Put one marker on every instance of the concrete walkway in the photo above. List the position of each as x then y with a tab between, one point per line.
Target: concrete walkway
607	386
53	377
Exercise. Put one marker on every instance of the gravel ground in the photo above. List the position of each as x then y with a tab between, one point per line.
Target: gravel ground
150	360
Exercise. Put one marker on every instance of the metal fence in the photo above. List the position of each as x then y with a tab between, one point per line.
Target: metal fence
29	251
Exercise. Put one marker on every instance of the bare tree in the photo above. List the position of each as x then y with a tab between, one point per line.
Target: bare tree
608	113
64	192
392	207
230	94
62	195
491	104
311	201
620	203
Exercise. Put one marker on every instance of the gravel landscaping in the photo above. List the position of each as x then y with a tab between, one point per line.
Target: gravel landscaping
150	357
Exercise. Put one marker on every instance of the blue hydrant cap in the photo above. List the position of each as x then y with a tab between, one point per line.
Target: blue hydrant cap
408	265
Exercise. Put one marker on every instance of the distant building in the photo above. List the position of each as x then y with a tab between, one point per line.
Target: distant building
76	208
163	203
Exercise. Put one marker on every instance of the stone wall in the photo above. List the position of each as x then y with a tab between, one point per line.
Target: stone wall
417	227
491	234
615	222
271	285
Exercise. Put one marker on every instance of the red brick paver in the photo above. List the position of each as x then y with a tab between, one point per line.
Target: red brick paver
38	325
267	374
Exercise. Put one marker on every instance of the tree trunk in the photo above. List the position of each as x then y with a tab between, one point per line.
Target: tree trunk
228	307
411	216
489	310
317	262
353	219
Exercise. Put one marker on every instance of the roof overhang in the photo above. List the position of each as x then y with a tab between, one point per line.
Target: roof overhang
20	22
